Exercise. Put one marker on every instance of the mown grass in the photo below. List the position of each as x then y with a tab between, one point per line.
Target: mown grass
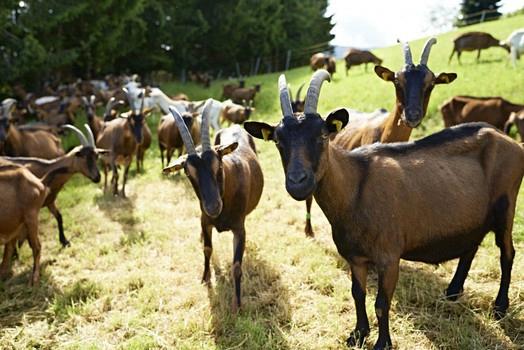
131	279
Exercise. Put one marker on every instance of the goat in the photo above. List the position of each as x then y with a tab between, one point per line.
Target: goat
472	41
169	139
96	124
228	182
26	142
248	94
227	89
413	87
23	194
516	118
355	57
298	104
465	109
515	41
81	159
431	200
121	137
317	61
235	113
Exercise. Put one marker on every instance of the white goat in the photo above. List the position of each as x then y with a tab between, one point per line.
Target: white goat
516	43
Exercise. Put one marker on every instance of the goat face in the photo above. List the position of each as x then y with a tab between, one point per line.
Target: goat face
85	162
302	142
136	123
413	86
206	173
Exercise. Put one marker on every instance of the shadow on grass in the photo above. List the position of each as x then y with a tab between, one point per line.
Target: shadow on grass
265	306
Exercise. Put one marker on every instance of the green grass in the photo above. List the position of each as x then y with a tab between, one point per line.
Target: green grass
131	279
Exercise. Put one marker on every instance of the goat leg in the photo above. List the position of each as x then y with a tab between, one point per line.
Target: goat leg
239	242
207	231
58	216
5	267
387	281
456	285
359	274
126	171
34	242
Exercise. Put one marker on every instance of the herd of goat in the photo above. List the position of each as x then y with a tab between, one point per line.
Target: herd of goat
451	188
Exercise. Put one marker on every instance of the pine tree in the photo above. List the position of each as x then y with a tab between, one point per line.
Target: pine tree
472	11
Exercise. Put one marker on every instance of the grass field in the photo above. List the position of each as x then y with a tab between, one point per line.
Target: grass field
131	279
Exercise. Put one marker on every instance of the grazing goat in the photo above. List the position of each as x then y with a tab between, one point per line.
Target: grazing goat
228	182
516	118
321	60
121	137
23	194
227	89
81	159
248	94
169	138
298	104
26	142
472	41
355	57
235	113
465	109
413	86
515	41
431	200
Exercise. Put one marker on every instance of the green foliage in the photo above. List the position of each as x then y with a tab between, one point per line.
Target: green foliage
471	11
62	40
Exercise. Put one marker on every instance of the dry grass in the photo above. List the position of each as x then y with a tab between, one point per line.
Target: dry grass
131	279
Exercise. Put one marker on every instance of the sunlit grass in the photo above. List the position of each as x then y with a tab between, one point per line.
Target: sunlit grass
131	279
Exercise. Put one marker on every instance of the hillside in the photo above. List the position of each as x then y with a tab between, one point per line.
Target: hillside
131	279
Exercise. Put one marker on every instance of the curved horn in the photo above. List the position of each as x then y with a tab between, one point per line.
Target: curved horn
78	133
129	99
297	97
84	100
90	136
184	132
427	48
408	59
92	99
109	106
204	129
314	90
143	99
285	100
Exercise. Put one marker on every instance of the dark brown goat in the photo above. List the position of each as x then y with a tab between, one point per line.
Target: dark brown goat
228	182
96	124
26	142
431	200
248	94
472	41
413	86
169	139
237	114
298	104
227	89
81	159
465	109
355	57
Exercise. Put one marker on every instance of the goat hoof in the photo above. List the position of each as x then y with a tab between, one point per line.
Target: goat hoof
65	244
452	295
499	312
357	338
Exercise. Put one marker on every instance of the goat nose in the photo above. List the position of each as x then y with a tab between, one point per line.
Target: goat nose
297	177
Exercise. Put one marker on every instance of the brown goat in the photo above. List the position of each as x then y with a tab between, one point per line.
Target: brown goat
23	194
413	86
228	182
298	104
465	109
431	200
169	139
26	142
121	137
81	159
317	60
227	89
472	41
248	94
355	57
237	114
516	118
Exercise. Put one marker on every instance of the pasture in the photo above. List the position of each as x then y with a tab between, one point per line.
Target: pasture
131	278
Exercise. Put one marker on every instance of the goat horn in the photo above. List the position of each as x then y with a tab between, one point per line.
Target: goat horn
204	130
408	59
92	99
143	99
313	91
129	99
7	105
84	99
184	132
425	53
109	106
297	98
90	136
285	101
78	133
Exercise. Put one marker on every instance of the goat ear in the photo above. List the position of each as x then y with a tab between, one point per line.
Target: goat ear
384	73
337	120
222	150
445	78
260	130
176	166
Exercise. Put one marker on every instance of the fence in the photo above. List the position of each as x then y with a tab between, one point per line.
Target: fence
478	17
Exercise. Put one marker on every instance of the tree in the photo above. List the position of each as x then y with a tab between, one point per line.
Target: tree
475	11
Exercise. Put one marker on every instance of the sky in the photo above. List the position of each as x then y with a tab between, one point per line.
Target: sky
377	23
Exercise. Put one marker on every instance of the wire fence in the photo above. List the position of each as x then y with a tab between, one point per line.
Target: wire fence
478	17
